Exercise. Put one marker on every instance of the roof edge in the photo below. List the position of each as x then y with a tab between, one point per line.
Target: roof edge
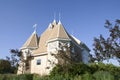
58	39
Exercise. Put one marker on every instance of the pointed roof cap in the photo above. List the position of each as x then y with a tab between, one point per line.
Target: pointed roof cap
59	23
59	32
32	41
54	22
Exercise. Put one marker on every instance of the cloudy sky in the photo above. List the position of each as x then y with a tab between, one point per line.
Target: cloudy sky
82	18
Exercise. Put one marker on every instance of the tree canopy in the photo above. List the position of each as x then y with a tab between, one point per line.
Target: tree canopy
106	48
5	66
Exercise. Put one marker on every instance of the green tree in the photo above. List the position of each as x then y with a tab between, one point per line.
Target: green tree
17	56
5	66
106	48
64	54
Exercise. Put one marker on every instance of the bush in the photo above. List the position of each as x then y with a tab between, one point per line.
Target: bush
60	77
71	69
16	77
58	69
103	75
5	66
78	77
38	77
8	77
55	77
25	77
87	76
78	69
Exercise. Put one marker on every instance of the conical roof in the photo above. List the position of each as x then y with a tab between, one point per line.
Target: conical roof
32	41
59	32
54	31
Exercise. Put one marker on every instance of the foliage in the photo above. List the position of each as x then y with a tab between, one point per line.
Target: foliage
78	69
103	75
87	76
15	56
16	77
78	77
94	71
104	67
18	56
106	48
71	69
5	66
14	59
87	72
16	52
14	63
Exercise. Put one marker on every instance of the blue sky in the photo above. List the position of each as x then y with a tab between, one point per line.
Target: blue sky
83	18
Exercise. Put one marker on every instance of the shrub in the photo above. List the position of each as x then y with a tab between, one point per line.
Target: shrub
5	66
71	69
103	75
97	67
58	69
78	69
60	77
3	77
78	77
38	77
87	76
16	77
25	77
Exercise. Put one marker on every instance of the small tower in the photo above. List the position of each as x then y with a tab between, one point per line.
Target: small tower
27	49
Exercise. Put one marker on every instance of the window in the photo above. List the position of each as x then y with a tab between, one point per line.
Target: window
73	50
38	62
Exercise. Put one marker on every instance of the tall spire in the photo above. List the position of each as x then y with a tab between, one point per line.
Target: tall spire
35	27
59	19
54	16
32	41
59	16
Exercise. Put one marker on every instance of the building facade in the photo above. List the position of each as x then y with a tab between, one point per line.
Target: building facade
39	51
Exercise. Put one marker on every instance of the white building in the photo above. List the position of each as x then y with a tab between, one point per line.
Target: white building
41	49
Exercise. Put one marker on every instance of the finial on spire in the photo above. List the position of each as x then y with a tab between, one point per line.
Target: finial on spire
35	27
59	16
59	19
54	16
59	22
54	21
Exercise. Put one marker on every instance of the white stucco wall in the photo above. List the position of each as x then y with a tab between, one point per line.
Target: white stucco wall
39	69
20	68
52	46
26	52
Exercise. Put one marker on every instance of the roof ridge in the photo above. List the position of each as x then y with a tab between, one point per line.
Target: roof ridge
58	30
